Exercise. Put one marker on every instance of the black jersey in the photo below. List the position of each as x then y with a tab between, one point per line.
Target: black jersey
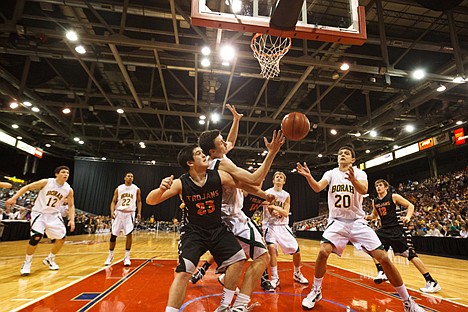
389	212
251	204
203	203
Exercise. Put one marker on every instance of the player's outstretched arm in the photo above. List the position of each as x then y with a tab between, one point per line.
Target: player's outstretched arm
304	171
168	188
232	136
32	186
5	185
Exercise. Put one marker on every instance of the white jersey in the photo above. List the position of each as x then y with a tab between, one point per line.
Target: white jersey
268	218
51	197
343	200
127	196
233	198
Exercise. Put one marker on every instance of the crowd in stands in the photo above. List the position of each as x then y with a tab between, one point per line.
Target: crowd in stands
441	206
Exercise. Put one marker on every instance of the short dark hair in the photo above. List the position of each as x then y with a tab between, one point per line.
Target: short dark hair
60	168
349	148
129	173
206	140
185	155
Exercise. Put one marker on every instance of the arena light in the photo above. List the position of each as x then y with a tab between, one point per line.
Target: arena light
80	49
333	131
227	53
28	104
35	109
14	126
319	155
120	111
409	128
441	88
48	145
344	66
14	105
206	50
215	117
373	133
71	35
66	110
418	74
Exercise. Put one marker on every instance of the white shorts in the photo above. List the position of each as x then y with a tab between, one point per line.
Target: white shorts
48	223
282	236
247	234
123	221
340	232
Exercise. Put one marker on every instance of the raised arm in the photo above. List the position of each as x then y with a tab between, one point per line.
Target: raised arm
400	200
168	188
259	175
282	211
304	171
232	136
228	180
32	186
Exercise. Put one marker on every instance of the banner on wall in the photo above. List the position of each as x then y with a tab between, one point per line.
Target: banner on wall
459	136
426	144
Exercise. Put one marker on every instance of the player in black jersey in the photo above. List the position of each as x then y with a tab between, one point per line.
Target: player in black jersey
202	191
394	232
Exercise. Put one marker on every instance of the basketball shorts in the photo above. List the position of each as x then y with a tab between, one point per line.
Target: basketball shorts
123	221
195	241
400	241
282	236
247	234
341	231
48	223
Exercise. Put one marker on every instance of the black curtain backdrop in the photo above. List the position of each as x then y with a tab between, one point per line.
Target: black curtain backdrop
94	184
95	181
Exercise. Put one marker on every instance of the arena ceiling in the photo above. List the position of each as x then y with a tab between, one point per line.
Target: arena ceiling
144	57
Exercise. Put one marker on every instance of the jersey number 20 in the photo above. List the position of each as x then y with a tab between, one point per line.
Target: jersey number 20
342	201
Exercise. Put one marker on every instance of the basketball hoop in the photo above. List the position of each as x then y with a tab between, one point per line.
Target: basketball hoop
269	50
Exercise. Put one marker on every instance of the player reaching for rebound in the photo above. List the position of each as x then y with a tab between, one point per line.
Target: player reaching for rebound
394	232
202	192
346	187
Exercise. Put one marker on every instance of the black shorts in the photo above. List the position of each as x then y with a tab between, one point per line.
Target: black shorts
196	240
397	238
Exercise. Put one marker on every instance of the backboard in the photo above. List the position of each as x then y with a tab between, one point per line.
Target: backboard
341	21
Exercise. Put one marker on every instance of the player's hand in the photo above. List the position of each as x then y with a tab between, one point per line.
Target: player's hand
166	183
276	142
270	198
234	113
368	217
405	219
303	170
71	224
350	173
10	202
138	217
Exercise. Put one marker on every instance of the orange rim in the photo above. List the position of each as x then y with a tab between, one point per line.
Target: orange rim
254	48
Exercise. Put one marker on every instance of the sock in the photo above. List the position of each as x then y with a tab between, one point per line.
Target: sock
318	282
206	265
242	299
297	269
171	309
403	292
29	258
127	253
51	256
227	297
111	252
274	272
428	277
265	276
379	267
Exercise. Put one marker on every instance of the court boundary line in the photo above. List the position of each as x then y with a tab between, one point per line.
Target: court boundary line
65	286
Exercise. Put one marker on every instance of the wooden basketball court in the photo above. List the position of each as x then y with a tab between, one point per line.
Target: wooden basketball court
84	284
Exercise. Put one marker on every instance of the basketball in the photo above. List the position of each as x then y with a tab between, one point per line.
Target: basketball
295	126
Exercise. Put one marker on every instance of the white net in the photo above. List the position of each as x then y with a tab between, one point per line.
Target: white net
269	50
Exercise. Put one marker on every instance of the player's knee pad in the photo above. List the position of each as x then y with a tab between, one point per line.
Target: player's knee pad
113	238
35	239
411	254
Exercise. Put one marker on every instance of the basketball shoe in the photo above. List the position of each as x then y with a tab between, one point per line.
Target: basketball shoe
275	281
312	298
127	261
266	285
380	278
26	268
298	277
411	306
109	259
431	287
50	262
